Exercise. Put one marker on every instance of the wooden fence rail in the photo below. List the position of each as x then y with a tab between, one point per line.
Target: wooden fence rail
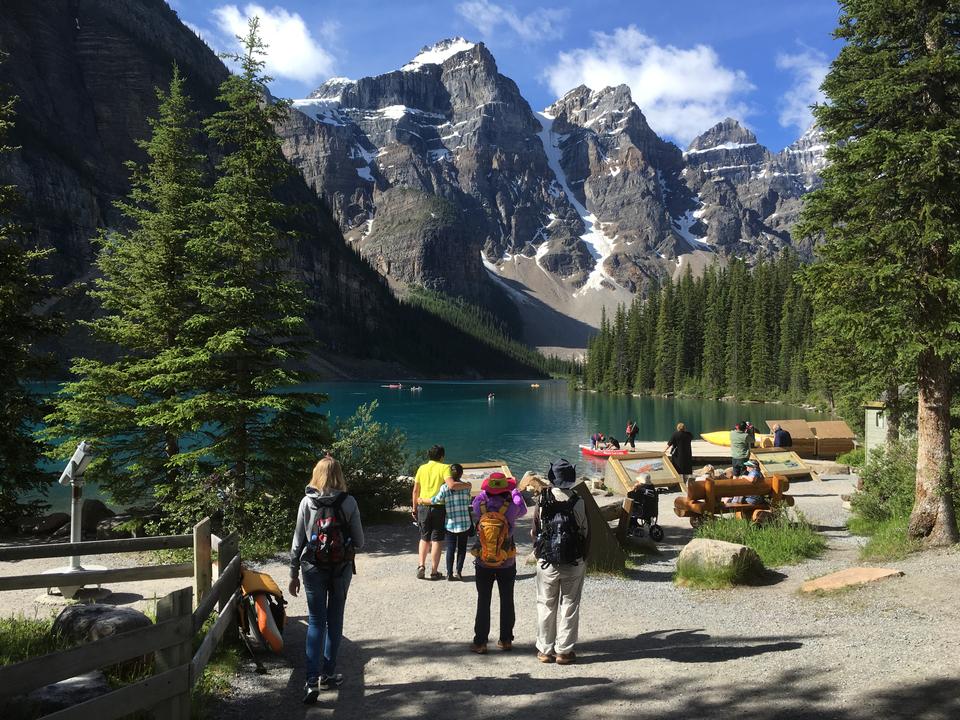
177	668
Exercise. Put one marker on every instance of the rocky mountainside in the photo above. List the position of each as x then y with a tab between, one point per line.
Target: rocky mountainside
441	174
85	74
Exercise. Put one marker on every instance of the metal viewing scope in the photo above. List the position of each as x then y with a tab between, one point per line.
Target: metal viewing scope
77	465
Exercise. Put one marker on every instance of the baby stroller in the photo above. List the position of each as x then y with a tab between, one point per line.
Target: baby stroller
646	502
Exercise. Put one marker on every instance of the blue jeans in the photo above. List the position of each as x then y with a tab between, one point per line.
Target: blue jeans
326	596
456	543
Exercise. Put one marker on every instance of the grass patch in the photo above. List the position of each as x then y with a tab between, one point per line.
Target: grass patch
855	457
691	575
215	681
887	539
781	541
23	638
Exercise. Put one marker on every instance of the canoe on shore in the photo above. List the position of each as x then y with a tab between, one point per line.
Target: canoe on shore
722	437
590	452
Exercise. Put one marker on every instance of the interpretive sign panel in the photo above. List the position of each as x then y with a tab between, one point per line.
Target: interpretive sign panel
475	473
780	462
624	469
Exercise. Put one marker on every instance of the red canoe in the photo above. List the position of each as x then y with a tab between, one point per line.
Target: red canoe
590	452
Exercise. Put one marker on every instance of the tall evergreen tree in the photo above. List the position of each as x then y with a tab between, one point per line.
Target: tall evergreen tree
252	321
132	407
666	347
889	210
21	290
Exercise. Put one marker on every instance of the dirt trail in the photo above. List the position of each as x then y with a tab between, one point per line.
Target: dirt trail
647	648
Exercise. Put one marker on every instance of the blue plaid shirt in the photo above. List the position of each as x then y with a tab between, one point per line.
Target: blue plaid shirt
458	508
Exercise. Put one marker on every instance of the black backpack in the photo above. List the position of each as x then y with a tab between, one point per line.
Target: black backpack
785	439
330	534
559	541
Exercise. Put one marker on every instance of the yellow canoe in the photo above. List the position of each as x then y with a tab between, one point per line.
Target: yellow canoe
722	437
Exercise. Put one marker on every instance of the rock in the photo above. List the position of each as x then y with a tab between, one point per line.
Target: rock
850	577
532	482
93	512
120	526
51	523
82	623
718	555
67	693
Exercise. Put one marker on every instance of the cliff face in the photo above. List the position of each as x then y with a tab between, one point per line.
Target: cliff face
440	166
85	74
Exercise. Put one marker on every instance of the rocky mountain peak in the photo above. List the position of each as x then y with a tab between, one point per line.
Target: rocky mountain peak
438	53
331	89
728	134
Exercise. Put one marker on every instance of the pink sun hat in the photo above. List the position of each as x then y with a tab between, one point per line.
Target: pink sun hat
497	483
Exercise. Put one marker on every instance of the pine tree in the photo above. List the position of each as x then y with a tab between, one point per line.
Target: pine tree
665	337
886	277
252	320
134	408
21	290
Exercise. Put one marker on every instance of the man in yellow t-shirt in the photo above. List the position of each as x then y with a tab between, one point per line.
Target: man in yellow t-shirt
431	518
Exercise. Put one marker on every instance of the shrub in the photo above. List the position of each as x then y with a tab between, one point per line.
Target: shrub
889	478
855	457
780	541
374	459
881	510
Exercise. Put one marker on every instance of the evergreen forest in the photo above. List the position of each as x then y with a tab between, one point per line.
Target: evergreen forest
734	330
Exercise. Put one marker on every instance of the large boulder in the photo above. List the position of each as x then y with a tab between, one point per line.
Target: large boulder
86	622
739	562
57	696
51	523
93	512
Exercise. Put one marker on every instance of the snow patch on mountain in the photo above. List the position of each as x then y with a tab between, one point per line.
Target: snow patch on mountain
721	146
600	245
437	54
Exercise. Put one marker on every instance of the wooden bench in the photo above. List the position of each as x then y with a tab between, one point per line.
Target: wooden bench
711	497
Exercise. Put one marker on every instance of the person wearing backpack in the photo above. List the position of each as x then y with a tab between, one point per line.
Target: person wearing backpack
496	508
325	541
561	541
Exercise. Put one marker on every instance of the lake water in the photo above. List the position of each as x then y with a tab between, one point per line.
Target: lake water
524	426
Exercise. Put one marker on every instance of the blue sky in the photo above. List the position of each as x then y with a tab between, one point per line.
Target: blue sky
689	63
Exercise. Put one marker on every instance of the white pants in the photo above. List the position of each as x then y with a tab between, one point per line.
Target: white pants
558	607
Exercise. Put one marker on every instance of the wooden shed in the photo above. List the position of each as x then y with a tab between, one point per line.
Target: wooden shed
833	437
804	441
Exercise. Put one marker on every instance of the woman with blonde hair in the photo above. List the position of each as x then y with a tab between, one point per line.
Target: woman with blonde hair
326	538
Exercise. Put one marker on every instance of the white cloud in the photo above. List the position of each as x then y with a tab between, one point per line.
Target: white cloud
809	68
538	25
681	91
292	52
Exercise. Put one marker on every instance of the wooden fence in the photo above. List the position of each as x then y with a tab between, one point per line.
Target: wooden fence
180	616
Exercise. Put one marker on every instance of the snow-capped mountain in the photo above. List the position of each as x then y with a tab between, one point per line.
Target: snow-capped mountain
441	174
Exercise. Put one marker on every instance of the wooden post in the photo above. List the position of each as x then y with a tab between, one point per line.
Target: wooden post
175	605
229	548
623	520
605	554
201	560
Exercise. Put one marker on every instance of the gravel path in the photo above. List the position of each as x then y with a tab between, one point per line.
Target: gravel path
647	648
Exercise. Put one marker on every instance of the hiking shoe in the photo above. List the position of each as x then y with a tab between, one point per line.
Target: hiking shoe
421	572
452	578
479	648
460	577
566	658
545	658
504	645
310	693
436	576
331	682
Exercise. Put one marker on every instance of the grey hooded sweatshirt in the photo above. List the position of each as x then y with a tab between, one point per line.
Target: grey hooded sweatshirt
306	515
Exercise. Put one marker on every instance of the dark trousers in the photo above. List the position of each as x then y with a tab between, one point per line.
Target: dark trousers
456	543
505	579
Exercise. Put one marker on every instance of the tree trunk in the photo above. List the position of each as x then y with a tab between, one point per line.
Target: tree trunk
933	519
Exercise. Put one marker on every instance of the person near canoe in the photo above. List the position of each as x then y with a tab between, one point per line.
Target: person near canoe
597	440
632	431
612	443
739	448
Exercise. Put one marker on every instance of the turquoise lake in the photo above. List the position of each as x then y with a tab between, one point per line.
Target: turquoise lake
524	426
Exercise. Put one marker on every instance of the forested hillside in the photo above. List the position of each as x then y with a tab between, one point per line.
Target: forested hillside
732	331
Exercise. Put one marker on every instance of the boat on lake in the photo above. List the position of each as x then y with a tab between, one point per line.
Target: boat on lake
722	437
594	452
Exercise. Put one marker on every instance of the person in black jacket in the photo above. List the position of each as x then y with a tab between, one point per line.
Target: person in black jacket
680	451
